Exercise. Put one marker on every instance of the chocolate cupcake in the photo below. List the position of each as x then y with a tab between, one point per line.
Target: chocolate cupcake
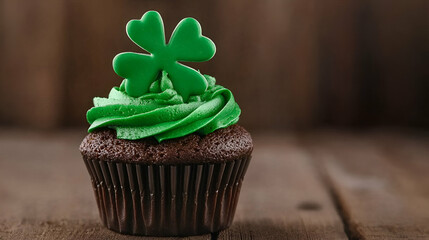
164	152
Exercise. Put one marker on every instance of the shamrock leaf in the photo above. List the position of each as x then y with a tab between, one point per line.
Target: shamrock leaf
148	32
138	81
186	44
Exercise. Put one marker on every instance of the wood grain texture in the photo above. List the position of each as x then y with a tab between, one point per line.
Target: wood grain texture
283	197
379	181
68	229
326	185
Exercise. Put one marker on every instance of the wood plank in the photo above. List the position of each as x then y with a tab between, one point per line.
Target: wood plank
338	41
283	197
45	190
31	62
334	62
68	229
401	70
380	183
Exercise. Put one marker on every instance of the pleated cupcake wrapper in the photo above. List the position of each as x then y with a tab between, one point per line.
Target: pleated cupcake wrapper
166	200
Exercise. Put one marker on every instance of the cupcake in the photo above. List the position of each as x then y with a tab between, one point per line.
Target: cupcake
164	151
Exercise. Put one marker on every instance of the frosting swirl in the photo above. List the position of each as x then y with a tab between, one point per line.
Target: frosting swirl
162	113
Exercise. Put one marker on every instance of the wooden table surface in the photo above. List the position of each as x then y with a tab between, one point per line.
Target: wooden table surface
324	185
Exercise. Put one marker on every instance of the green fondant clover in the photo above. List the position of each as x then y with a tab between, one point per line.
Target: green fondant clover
186	44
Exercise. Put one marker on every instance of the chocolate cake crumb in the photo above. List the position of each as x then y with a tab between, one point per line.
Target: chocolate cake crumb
222	145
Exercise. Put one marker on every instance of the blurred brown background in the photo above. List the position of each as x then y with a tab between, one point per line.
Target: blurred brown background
290	64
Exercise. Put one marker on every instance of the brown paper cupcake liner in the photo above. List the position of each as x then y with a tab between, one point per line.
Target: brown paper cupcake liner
166	200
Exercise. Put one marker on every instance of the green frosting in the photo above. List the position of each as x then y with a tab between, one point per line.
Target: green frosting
159	96
162	112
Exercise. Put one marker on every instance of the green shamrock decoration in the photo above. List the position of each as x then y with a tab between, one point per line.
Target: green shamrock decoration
186	44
